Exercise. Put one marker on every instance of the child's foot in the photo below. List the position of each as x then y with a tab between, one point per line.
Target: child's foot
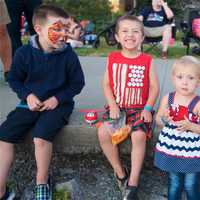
131	193
9	195
43	191
122	182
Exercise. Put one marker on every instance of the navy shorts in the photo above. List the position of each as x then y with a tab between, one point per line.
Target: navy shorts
43	125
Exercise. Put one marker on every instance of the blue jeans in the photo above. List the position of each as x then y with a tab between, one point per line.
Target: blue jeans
189	182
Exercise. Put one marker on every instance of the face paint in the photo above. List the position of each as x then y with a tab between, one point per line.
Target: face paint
55	32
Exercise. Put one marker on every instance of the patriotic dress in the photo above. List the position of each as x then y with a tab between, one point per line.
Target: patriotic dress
179	151
129	81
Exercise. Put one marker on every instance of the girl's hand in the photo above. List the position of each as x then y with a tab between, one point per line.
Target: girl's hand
183	125
166	117
50	104
114	112
146	116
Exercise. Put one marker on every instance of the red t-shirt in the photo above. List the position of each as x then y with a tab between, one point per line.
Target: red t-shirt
129	79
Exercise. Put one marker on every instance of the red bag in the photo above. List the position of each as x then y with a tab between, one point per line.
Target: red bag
196	27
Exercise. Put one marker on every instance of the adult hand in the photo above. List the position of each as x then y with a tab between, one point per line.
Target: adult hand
33	102
49	104
163	3
146	116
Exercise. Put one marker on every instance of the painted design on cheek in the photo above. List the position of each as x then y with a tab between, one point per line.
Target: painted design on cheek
55	31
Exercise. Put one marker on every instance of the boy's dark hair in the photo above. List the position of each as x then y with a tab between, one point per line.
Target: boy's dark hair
131	18
43	11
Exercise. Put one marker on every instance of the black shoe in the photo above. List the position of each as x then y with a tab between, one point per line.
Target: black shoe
122	182
6	76
131	193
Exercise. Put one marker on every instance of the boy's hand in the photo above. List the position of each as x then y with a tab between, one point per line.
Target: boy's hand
33	102
146	116
183	125
49	104
114	112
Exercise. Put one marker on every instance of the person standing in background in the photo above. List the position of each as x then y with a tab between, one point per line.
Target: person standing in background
15	10
5	43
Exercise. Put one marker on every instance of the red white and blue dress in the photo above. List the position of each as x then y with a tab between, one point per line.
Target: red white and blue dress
179	151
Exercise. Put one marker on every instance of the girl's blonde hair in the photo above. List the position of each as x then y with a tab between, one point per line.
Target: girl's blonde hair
187	61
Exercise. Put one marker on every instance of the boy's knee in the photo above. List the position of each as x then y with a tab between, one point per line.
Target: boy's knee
103	135
5	144
138	137
39	142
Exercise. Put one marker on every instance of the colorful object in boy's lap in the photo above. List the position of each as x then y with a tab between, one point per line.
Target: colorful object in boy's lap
120	134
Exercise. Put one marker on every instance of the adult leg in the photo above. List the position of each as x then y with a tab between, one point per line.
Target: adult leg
175	186
138	139
167	31
15	9
191	186
29	7
111	151
6	155
5	48
43	154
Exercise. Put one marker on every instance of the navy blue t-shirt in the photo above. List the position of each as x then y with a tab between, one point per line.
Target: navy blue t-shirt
154	18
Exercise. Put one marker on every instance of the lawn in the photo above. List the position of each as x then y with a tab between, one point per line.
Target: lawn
175	51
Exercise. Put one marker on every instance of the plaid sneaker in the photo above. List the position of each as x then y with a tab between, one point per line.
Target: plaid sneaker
9	195
44	191
130	193
122	182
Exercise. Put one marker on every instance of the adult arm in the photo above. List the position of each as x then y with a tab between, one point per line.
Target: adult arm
169	13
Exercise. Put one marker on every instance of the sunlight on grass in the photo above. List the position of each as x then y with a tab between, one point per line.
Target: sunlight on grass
175	51
61	195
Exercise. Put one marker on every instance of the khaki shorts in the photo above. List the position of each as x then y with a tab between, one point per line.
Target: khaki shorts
155	31
4	17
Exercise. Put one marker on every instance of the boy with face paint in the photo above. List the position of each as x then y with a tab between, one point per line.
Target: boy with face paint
45	74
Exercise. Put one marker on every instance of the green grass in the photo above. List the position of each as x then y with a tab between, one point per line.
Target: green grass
174	52
61	195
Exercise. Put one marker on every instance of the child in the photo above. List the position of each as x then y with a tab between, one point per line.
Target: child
74	34
46	75
131	85
178	147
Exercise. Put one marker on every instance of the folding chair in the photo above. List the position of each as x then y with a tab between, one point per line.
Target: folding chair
152	42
